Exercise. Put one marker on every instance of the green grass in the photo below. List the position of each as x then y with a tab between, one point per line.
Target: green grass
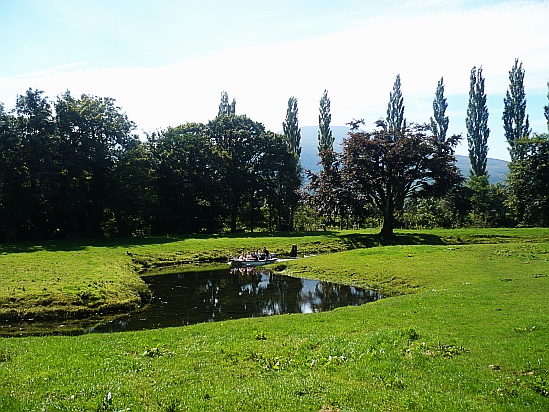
467	328
54	283
67	279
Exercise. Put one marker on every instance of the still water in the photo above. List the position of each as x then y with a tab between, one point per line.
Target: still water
187	298
195	297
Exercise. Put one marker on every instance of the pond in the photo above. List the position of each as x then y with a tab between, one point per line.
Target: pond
195	297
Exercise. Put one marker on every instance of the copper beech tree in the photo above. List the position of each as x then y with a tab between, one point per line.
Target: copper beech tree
383	167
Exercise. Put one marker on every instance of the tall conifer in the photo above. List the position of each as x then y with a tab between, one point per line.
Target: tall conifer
515	120
325	136
439	124
395	109
226	108
546	108
477	124
292	133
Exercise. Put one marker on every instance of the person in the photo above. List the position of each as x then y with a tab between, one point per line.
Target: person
293	253
265	253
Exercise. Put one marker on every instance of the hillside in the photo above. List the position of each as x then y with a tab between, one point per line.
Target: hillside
497	169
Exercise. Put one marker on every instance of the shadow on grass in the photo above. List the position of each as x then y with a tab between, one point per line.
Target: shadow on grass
72	245
64	245
363	240
351	240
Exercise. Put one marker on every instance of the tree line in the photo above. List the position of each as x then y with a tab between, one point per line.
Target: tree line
404	175
74	167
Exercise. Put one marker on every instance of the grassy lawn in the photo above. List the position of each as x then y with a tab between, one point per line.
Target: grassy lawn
466	328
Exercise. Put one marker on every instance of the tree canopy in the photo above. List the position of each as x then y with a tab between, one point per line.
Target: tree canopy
74	167
382	171
529	180
79	171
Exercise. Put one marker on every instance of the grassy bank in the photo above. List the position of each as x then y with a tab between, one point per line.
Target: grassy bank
467	329
67	279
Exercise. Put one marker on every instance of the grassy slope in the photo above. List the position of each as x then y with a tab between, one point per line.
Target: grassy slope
50	282
473	336
68	279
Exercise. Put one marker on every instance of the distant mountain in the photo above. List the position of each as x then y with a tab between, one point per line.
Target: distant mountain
497	169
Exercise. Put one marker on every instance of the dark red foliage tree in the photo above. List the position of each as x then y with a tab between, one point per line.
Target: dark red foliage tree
383	168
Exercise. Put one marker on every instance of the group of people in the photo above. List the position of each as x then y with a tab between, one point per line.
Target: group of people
253	256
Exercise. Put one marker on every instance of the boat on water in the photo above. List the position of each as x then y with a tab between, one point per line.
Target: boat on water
247	263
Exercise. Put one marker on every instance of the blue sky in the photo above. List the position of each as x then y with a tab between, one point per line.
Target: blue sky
166	61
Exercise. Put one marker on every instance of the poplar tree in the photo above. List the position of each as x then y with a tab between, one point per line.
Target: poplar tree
395	109
546	108
515	120
439	124
325	136
292	133
477	124
226	108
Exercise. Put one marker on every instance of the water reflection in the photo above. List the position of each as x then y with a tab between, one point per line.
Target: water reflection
195	297
188	298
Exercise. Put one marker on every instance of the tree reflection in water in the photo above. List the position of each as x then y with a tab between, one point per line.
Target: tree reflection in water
188	298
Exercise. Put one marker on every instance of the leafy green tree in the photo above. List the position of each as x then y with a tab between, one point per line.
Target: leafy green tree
449	211
132	200
382	171
325	136
528	181
439	124
488	208
278	183
515	120
187	184
226	108
12	177
292	133
237	141
38	164
477	124
395	109
94	133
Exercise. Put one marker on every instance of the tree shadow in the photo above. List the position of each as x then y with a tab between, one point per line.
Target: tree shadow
250	235
73	245
351	240
363	240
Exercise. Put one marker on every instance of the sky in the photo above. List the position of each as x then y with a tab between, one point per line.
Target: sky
166	62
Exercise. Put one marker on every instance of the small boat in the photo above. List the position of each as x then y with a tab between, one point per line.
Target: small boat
247	263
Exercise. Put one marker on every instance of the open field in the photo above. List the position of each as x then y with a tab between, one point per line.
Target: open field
467	328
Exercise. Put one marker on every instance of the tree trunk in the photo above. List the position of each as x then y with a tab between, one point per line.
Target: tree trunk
234	212
388	222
